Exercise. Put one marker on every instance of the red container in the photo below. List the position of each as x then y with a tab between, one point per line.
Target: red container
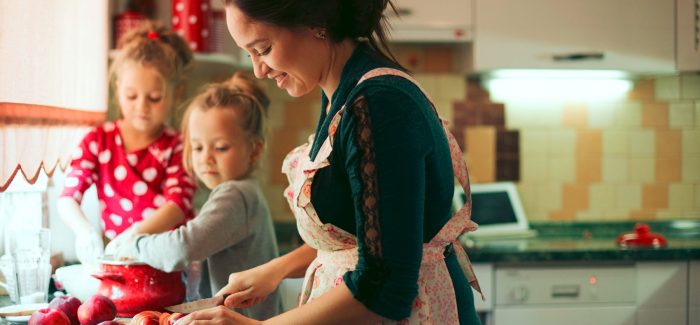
191	19
641	237
135	287
125	22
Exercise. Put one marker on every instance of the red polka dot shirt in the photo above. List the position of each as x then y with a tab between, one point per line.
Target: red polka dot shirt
130	185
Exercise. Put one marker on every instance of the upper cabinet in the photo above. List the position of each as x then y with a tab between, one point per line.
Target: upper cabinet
688	35
631	35
427	21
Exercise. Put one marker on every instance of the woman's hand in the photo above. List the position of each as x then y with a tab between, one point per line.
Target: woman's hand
250	287
216	315
119	247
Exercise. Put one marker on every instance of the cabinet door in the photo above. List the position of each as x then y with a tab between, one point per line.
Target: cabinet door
632	35
420	20
694	292
662	293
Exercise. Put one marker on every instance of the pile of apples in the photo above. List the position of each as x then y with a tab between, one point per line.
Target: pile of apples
68	310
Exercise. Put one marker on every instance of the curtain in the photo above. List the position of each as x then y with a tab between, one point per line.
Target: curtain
53	82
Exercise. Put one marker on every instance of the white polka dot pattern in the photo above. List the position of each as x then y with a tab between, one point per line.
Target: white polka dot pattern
107	189
93	147
104	156
116	220
87	164
147	212
140	188
171	182
172	169
109	127
110	234
118	140
120	173
126	204
159	200
149	174
77	153
132	158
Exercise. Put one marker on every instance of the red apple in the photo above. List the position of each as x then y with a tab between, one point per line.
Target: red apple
69	305
48	316
96	309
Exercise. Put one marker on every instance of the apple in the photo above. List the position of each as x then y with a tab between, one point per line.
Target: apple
96	309
69	305
48	316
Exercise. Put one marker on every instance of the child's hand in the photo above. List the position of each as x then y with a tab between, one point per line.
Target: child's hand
250	287
89	247
119	247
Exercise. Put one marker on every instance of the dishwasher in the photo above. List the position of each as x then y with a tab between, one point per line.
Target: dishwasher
552	295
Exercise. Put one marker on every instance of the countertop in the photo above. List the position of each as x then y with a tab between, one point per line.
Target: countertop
585	242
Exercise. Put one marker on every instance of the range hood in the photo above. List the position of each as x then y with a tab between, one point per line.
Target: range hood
446	21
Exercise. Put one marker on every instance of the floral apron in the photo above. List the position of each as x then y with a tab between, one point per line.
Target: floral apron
337	250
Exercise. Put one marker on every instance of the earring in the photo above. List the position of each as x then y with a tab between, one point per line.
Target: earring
321	34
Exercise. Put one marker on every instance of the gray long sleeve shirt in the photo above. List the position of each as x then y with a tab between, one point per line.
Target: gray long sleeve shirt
233	232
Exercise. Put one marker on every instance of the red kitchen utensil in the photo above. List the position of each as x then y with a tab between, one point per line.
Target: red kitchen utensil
641	237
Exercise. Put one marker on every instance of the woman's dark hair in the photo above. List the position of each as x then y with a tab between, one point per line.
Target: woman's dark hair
342	19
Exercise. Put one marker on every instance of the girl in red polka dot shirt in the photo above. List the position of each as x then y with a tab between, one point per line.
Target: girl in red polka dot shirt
134	162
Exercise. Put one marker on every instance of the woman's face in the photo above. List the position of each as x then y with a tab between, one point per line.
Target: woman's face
143	97
293	58
221	150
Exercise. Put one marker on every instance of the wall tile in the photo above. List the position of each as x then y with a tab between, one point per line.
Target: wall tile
628	114
589	216
668	142
643	89
575	116
691	142
562	142
681	114
690	86
615	141
696	203
641	143
534	167
438	59
602	197
615	169
641	170
444	108
534	141
668	88
452	87
602	115
481	143
691	171
629	197
549	197
429	83
655	115
668	169
654	196
528	197
681	197
588	156
697	114
561	169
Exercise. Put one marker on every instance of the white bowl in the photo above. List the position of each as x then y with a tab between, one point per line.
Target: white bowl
77	280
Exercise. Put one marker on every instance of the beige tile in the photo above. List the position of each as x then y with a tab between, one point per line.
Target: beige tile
534	141
534	167
452	87
697	114
667	214
561	169
629	197
615	169
681	115
549	197
691	171
481	142
696	203
643	89
528	197
655	196
691	142
681	197
429	83
628	114
668	143
602	115
641	170
575	116
655	115
562	142
602	197
444	108
668	88
690	86
615	142
641	143
589	215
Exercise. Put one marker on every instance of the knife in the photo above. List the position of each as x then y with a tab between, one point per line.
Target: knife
196	305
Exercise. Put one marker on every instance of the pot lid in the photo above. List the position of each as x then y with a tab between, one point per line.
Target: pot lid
641	237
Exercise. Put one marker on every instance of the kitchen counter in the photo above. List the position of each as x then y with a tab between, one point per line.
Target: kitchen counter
583	242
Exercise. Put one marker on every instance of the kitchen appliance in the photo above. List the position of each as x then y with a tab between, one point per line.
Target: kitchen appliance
561	295
135	286
641	237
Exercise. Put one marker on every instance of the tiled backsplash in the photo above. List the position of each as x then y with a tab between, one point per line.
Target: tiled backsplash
632	159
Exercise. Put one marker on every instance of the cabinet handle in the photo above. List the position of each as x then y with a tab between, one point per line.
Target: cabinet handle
578	56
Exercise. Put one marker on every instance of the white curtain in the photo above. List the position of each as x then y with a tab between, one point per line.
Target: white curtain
53	81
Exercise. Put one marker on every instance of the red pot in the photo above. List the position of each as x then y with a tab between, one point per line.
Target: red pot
135	287
641	237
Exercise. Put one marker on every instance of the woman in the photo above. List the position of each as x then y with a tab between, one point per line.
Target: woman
372	189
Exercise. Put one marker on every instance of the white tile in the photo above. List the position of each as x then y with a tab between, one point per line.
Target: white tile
562	169
691	142
690	86
549	197
428	82
534	141
668	88
681	114
528	196
602	196
444	108
641	142
680	197
696	204
628	114
534	167
602	114
691	169
615	169
615	142
589	215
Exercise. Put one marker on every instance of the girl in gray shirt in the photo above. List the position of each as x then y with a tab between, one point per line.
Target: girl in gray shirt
224	140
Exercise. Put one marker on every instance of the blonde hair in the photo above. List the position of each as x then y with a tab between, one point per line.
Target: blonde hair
240	93
153	45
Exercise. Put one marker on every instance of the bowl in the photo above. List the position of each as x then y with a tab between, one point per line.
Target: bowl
77	280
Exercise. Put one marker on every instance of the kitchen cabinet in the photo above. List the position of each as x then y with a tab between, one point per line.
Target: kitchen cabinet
631	35
427	21
688	35
694	292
